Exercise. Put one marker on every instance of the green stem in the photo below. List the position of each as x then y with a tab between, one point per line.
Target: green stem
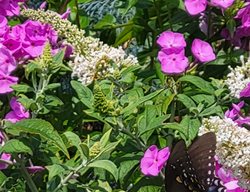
26	175
77	15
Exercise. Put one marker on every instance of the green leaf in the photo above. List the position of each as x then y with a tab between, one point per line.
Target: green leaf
55	170
84	150
198	82
150	120
52	86
186	101
150	189
2	178
105	139
74	140
107	21
40	127
141	100
84	93
15	146
107	165
22	88
212	110
125	35
194	125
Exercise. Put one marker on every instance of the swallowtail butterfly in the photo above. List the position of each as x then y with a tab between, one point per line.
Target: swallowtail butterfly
193	169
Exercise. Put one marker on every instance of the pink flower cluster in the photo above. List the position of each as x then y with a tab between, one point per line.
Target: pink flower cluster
154	160
172	54
228	180
195	7
10	7
241	34
19	43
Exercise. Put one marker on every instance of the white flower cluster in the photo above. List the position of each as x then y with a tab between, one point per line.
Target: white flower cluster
238	79
232	148
92	59
101	61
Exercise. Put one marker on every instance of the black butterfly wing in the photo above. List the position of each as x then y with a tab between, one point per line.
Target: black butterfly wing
175	169
201	154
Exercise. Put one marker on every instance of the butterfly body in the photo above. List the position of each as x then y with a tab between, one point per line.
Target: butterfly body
192	169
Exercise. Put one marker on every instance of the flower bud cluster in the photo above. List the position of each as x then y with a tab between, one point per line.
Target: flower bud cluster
233	147
92	59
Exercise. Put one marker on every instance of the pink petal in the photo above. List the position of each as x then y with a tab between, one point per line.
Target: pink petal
195	7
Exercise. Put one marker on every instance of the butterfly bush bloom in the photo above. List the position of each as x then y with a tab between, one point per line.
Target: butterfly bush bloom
238	80
233	147
91	59
18	111
154	160
202	51
224	4
195	7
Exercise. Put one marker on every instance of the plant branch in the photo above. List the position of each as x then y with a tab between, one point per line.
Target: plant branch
26	175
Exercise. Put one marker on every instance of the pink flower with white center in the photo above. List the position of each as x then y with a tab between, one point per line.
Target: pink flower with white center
202	51
171	41
173	63
195	7
18	111
154	160
224	4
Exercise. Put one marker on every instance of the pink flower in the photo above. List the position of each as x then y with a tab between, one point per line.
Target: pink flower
235	111
202	51
7	61
224	4
171	41
172	63
3	25
7	157
227	178
236	115
18	111
35	169
6	81
154	160
246	91
195	7
4	156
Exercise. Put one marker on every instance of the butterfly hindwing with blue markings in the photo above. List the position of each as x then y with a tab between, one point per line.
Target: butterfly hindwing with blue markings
192	169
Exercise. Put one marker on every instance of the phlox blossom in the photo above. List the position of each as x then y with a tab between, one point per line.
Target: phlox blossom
171	41
18	111
224	4
195	7
202	51
246	91
173	63
154	160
